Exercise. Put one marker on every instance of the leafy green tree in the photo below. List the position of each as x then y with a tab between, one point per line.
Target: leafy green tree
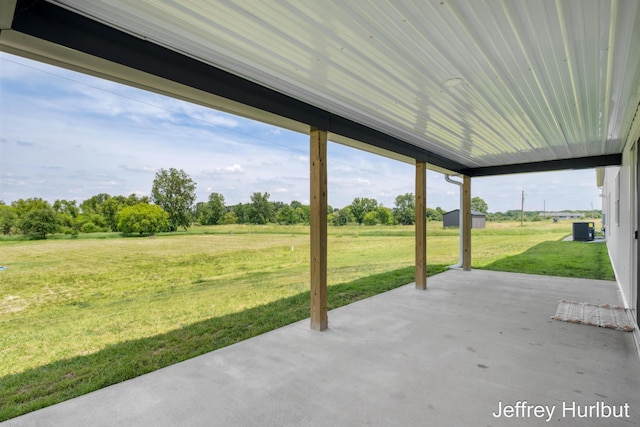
287	215
229	218
35	217
513	214
199	212
276	205
22	206
8	218
304	212
405	209
260	209
90	223
342	216
94	204
433	215
109	210
241	213
385	216
217	206
38	222
134	200
361	206
105	206
212	211
91	218
69	207
66	211
142	218
478	204
371	218
331	217
175	192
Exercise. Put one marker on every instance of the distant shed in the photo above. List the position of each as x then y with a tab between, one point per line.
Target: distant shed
452	219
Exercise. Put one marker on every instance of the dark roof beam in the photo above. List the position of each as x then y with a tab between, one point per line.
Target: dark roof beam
551	165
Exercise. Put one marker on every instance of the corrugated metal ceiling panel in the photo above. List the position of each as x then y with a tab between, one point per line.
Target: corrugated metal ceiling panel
541	80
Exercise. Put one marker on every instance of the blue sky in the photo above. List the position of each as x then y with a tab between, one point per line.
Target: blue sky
65	135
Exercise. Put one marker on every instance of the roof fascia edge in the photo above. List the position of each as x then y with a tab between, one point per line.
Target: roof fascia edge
60	26
547	166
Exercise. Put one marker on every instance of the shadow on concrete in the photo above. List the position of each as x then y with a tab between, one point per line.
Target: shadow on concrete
65	379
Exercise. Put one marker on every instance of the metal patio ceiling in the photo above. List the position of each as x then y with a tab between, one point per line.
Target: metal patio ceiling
478	87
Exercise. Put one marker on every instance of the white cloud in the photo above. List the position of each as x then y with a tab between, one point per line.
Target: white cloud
350	182
8	179
214	119
143	169
234	169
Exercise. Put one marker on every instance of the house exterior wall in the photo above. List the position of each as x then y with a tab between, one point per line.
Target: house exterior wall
619	208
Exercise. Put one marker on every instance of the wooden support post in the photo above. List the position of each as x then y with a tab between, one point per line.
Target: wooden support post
318	221
421	225
466	223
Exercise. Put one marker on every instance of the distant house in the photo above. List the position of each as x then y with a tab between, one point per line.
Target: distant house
452	219
562	215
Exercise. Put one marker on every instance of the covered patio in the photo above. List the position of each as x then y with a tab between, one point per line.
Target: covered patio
477	343
461	87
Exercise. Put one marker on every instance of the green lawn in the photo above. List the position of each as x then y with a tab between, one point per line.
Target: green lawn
80	314
568	259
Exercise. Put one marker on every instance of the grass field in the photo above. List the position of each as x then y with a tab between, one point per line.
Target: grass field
80	314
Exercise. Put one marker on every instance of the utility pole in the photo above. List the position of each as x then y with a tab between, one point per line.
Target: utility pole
522	211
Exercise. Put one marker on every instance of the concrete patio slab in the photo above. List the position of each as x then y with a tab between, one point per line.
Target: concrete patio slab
469	351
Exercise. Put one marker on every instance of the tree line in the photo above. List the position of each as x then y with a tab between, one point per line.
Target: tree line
172	205
533	216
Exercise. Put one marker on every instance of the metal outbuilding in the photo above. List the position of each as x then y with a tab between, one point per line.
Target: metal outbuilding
452	219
